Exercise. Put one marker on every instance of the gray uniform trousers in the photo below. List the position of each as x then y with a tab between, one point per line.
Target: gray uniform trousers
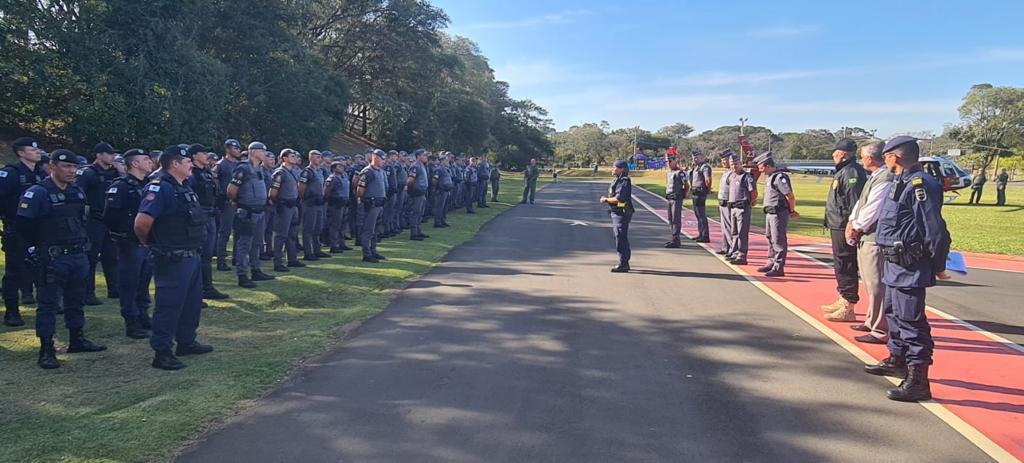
494	188
388	213
778	243
225	227
417	205
368	234
725	221
312	225
675	218
249	227
440	202
402	209
471	196
740	231
286	232
481	188
337	216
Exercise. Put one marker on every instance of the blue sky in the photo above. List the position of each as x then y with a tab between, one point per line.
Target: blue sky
895	66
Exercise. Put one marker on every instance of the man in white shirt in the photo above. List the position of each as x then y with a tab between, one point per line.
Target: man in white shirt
861	228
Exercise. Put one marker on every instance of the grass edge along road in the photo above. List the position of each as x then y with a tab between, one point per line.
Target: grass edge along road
112	406
985	228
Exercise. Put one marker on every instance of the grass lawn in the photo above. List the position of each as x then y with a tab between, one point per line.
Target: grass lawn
986	228
112	406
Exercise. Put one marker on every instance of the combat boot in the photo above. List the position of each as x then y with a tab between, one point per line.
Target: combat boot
621	268
144	321
337	250
28	299
844	314
672	244
213	293
165	360
296	264
260	276
281	268
133	329
12	317
915	388
47	354
245	282
77	343
324	255
891	366
833	306
765	268
192	349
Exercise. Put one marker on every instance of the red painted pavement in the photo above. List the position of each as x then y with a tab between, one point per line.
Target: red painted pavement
978	379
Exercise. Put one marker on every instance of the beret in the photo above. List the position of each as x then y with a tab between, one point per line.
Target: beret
103	148
845	144
621	164
897	141
63	155
232	142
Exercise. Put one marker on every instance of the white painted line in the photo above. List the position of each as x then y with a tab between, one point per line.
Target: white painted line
959	425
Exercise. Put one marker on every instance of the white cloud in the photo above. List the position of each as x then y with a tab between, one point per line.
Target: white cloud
784	31
715	79
548	74
560	18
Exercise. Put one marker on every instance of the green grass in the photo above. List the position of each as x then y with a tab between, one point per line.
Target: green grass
986	228
112	406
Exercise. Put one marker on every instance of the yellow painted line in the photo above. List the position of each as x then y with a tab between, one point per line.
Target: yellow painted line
959	425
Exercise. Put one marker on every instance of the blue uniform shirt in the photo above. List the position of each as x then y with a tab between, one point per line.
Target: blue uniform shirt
912	213
159	199
374	182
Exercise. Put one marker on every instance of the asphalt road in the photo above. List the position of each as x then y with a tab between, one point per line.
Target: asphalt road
522	347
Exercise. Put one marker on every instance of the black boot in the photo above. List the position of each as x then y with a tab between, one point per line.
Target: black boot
213	293
915	388
192	349
260	276
47	354
133	329
621	268
90	299
28	298
891	366
144	321
672	244
12	317
281	268
165	360
245	282
77	343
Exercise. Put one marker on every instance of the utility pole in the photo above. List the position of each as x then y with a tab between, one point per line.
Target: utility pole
636	134
743	122
769	139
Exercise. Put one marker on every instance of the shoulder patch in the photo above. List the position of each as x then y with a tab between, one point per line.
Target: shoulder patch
784	180
155	180
852	181
920	194
24	205
112	190
150	197
3	174
917	181
154	188
835	184
29	194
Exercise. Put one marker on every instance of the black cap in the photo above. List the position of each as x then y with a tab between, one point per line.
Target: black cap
25	142
197	148
621	164
104	148
232	142
896	141
845	144
128	155
63	155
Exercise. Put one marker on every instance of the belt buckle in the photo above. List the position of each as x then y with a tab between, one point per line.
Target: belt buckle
53	251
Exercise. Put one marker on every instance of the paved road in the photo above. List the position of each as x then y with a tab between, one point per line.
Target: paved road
522	347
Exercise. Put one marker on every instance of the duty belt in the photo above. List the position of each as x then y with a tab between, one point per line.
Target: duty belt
738	205
176	253
64	250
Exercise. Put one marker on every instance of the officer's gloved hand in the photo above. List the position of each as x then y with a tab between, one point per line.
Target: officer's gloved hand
32	257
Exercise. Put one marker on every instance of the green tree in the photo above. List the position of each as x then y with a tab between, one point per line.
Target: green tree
992	121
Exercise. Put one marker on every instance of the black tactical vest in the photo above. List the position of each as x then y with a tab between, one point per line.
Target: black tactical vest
185	227
64	225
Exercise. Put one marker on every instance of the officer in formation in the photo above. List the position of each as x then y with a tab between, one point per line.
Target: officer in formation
471	177
915	243
338	193
441	177
311	190
458	197
205	187
135	269
495	182
1001	181
742	197
388	228
620	202
847	184
977	186
15	179
372	193
284	195
94	180
483	172
676	186
700	185
724	215
417	185
400	221
224	172
779	207
172	222
267	249
248	193
51	220
530	175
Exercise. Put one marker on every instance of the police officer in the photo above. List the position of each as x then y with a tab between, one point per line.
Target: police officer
742	196
457	198
620	200
675	191
356	214
1001	180
471	181
372	193
846	187
724	215
172	222
915	243
205	187
15	179
417	186
443	185
530	175
977	186
483	172
94	180
495	182
267	251
224	172
311	192
52	221
135	269
387	216
700	185
400	220
284	194
779	207
248	192
337	191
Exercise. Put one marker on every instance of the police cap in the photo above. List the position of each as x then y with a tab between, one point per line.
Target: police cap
128	155
380	153
620	164
896	141
196	149
63	155
727	155
257	146
232	143
764	158
845	144
24	142
104	148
